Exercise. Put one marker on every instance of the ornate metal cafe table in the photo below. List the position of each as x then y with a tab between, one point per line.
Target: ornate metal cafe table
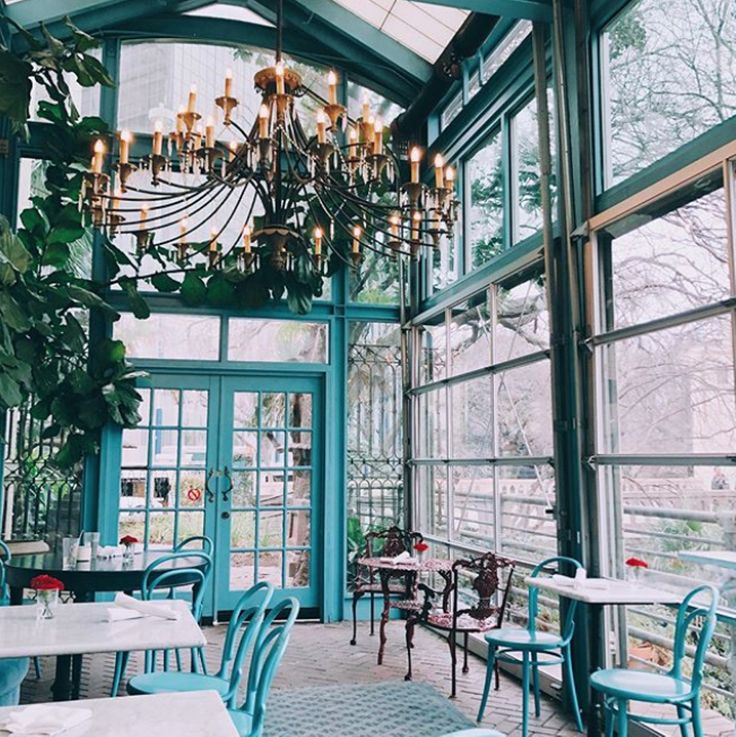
408	569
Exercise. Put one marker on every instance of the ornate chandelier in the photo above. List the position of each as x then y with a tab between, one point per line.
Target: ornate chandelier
296	200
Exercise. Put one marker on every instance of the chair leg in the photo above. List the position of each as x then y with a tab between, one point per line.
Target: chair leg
607	719
491	666
696	718
497	671
121	663
525	695
573	689
373	614
37	668
409	631
622	721
202	660
535	686
356	597
682	714
179	665
465	653
453	661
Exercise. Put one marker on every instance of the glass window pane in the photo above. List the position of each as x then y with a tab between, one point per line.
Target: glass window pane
161	530
242	571
245	408
671	391
135	447
524	410
432	499
433	350
165	408
269	568
300	410
164	447
299	488
297	568
664	264
277	340
669	75
242	529
273	409
470	334
432	424
522	319
245	449
194	408
447	257
273	446
484	172
191	524
527	498
472	419
244	488
298	530
191	489
162	335
473	513
193	447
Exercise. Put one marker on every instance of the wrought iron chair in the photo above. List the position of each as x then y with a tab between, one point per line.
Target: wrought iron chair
153	579
490	577
385	543
242	633
267	654
621	685
531	643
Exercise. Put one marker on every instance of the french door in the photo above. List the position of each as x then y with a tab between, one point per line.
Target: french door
240	460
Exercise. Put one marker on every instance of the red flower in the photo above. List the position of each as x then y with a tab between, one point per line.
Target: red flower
44	582
637	563
128	540
421	547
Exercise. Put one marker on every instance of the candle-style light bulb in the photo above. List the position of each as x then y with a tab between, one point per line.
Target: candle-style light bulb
378	136
180	119
321	126
366	108
416	221
415	156
228	82
125	139
116	195
247	245
450	178
353	143
209	132
192	101
158	137
263	115
439	171
280	77
318	241
394	222
98	157
332	87
183	228
143	217
357	232
213	239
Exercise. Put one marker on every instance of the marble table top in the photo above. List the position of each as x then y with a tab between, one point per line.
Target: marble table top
721	558
195	714
78	629
606	591
409	564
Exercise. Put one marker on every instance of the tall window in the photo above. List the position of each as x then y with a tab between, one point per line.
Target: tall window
666	404
669	74
483	419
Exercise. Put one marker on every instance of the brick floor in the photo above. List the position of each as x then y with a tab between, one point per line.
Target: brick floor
320	654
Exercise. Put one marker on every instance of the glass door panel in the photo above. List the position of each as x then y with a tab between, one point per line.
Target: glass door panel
265	528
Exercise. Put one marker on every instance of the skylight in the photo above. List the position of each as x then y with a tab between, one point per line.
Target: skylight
425	29
230	12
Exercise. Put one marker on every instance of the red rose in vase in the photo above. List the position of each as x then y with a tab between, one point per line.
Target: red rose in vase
637	563
44	582
421	547
129	540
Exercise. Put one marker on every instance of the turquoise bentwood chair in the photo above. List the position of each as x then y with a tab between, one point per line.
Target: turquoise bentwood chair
205	544
242	632
267	654
5	556
532	643
155	579
621	685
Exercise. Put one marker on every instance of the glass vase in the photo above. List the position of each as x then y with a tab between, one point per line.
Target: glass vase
46	602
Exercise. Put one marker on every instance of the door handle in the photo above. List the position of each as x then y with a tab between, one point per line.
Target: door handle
208	488
229	481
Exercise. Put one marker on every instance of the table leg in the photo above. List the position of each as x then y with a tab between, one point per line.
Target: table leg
385	586
61	688
76	675
16	595
594	711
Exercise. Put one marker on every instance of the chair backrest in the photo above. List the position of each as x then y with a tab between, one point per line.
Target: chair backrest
491	578
567	626
247	616
204	543
267	654
391	542
700	604
154	578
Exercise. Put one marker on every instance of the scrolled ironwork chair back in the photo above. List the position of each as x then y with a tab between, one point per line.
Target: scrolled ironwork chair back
487	572
391	542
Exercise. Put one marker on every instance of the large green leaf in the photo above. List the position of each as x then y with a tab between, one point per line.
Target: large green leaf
164	283
10	392
193	290
12	314
15	88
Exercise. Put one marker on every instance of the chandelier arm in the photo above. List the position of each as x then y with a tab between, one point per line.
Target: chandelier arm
171	203
186	206
229	219
326	237
247	219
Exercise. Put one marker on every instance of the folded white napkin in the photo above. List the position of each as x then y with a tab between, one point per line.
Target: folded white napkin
402	557
144	608
109	551
44	720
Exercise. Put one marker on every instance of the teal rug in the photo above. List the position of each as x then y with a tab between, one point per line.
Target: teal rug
388	709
